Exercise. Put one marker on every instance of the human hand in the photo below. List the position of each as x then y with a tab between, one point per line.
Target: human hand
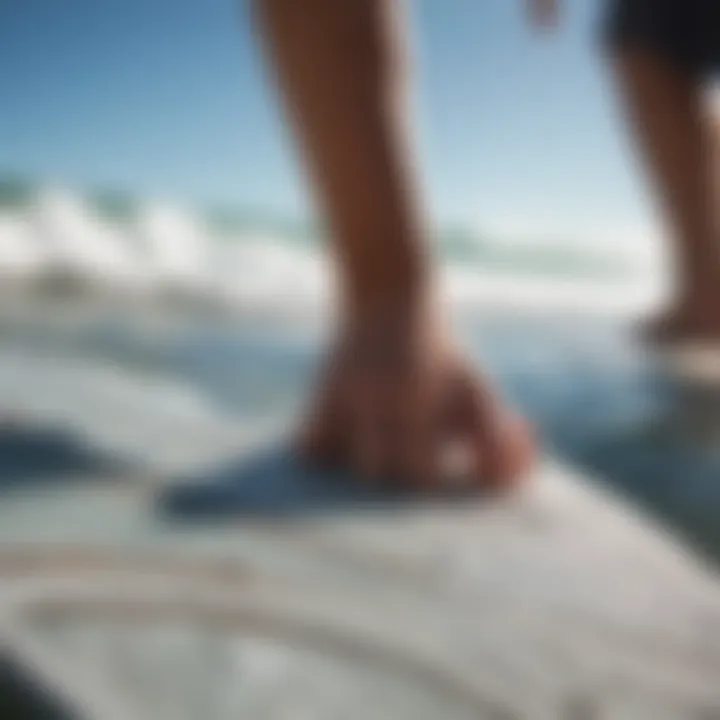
397	396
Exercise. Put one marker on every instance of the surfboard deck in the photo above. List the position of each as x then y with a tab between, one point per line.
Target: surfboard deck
555	599
563	601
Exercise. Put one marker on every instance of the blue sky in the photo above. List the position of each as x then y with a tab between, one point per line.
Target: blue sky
169	97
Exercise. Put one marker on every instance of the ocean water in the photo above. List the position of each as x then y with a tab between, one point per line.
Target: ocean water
245	259
120	308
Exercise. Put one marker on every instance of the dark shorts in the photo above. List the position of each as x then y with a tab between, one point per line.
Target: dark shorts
684	32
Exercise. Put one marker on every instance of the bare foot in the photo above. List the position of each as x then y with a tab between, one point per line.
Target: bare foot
394	399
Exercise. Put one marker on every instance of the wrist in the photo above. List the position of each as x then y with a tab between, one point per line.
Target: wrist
393	301
393	278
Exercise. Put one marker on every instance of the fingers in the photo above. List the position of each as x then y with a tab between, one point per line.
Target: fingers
378	427
501	445
322	434
424	469
368	444
394	428
520	460
421	448
390	426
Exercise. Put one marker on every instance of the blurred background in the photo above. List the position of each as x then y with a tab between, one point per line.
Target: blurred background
143	149
165	287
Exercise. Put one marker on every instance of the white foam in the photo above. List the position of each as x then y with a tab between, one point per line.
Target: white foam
263	269
168	248
175	246
471	288
77	240
20	254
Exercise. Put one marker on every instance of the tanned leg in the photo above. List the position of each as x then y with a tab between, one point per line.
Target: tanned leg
674	134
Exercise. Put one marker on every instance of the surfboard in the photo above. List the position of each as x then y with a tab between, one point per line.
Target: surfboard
214	577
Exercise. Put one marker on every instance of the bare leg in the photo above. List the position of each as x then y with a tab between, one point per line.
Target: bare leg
675	136
396	388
